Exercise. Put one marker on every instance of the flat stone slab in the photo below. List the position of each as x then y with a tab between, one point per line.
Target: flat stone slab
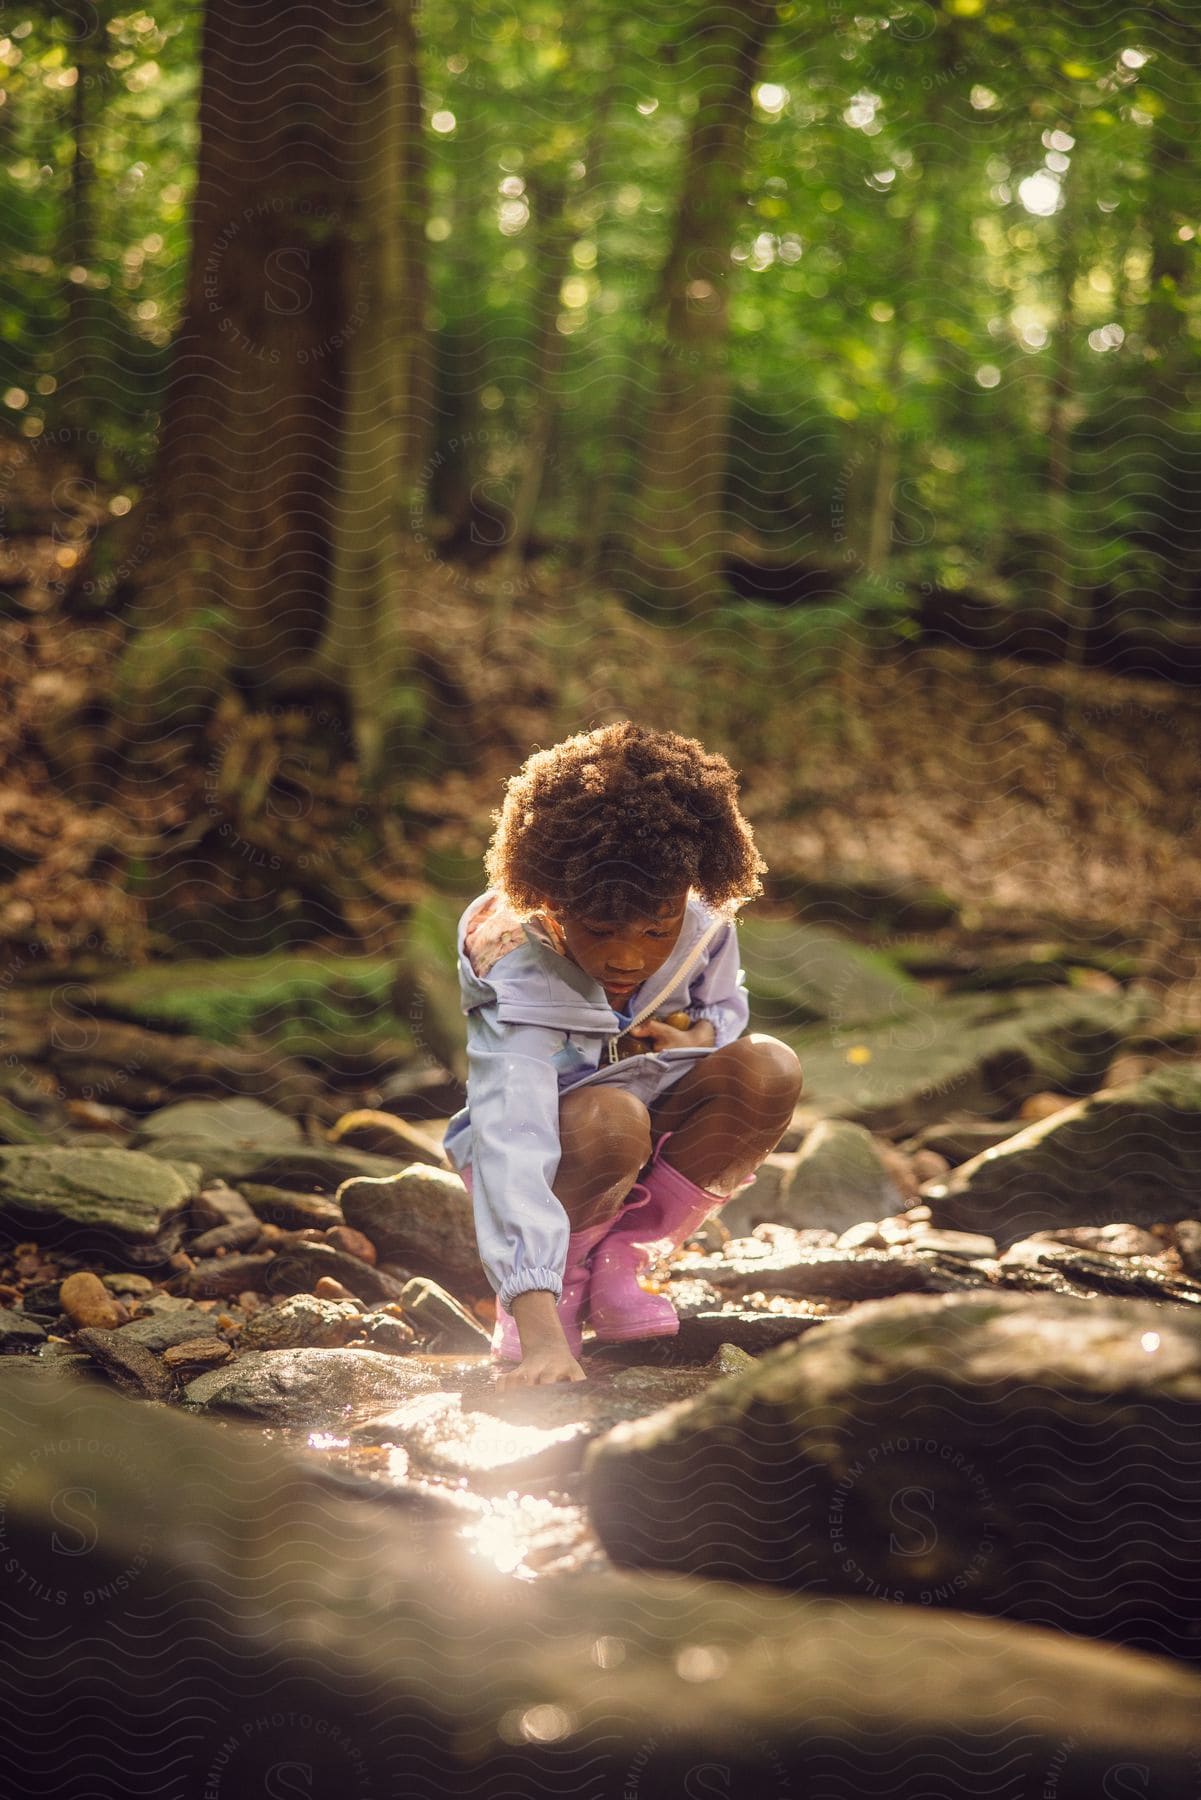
1001	1453
232	1123
453	1679
981	1052
313	1387
121	1204
1128	1156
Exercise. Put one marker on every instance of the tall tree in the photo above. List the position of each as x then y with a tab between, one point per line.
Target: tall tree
677	525
289	440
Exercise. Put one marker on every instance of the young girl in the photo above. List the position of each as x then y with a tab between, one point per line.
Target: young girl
605	1011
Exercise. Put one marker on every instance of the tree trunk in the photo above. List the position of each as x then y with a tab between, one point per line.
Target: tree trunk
675	541
297	277
81	357
385	422
1064	602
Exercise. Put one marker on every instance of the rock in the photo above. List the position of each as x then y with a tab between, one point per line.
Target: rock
928	1165
836	1180
1126	1155
120	1203
1095	1271
752	1330
197	1353
383	1134
220	1205
1042	1106
308	1169
982	1053
239	1236
1186	1236
438	1317
383	1331
959	1140
342	1237
1002	1453
971	1244
125	1282
86	1301
835	1274
172	1321
316	1388
1116	1240
248	1561
234	1123
798	974
854	897
292	1211
18	1332
224	1275
301	1321
326	1288
867	1236
298	1267
16	1126
131	1365
420	1217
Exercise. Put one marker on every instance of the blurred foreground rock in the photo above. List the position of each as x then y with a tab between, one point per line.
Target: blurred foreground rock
1012	1454
228	1624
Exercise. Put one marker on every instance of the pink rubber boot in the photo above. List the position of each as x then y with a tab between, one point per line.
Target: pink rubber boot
506	1340
669	1207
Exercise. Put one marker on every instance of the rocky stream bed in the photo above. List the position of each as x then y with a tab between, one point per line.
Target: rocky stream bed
910	1506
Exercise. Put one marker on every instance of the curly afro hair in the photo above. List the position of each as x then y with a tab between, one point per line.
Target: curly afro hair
612	824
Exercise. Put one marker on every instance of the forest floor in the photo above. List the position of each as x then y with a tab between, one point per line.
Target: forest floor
1022	791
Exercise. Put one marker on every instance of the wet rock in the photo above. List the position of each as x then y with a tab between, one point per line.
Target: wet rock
979	1053
867	1236
301	1321
250	1562
838	1274
307	1169
420	1217
86	1301
1097	1271
119	1203
751	1330
131	1365
383	1134
799	973
326	1288
1116	1240
1126	1155
312	1387
442	1323
195	1354
1003	1453
970	1244
384	1331
222	1275
299	1266
19	1332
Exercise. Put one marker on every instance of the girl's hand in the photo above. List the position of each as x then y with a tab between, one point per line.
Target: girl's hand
662	1036
542	1364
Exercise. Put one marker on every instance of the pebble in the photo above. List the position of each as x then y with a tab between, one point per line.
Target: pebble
355	1243
124	1282
238	1236
197	1353
866	1236
130	1364
327	1288
973	1245
87	1302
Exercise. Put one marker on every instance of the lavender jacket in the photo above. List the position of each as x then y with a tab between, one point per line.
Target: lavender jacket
538	1026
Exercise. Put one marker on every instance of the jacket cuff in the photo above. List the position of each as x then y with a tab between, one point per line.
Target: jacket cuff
528	1281
719	1017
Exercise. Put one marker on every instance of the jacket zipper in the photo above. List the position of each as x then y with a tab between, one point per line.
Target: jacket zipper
684	970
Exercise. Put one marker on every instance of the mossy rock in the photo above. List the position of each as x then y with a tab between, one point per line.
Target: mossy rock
118	1203
321	1008
983	1053
800	974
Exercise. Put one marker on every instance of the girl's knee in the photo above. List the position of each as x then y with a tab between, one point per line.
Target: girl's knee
609	1125
764	1069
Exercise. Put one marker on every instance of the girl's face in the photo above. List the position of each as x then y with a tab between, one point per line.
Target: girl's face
622	956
